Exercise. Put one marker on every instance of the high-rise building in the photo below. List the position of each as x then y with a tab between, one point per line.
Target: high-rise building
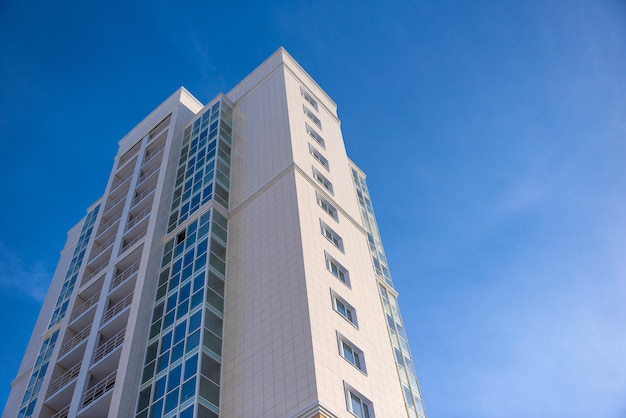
232	268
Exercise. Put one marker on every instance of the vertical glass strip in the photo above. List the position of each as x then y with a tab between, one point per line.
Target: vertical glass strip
404	362
204	164
72	272
183	358
36	378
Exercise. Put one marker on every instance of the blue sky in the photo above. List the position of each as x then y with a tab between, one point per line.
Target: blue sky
493	135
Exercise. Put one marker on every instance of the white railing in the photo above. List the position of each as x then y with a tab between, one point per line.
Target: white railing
146	174
94	273
126	274
120	184
151	156
118	307
99	389
63	413
142	196
102	247
75	340
109	346
64	379
138	217
136	239
86	305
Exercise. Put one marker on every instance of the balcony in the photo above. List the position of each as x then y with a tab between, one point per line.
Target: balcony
134	219
145	175
152	155
115	317
107	355
123	283
97	394
143	195
61	389
83	307
66	355
109	346
63	413
130	241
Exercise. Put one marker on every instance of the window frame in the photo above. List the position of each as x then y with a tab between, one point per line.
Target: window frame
366	405
313	134
355	355
321	179
330	234
317	156
326	206
350	315
309	113
343	275
309	98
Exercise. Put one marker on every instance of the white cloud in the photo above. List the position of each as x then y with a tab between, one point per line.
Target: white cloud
27	280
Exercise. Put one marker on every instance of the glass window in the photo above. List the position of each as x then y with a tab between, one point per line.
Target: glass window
332	236
312	117
344	309
318	157
358	406
328	208
323	180
337	270
351	353
308	98
315	136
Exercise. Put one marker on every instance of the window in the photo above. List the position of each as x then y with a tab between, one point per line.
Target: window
309	99
319	157
315	136
323	180
337	270
358	404
351	353
328	208
344	309
311	116
332	236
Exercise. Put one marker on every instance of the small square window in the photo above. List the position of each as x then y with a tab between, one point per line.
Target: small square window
308	98
312	117
322	180
318	157
337	270
358	404
344	309
331	235
328	208
351	353
315	136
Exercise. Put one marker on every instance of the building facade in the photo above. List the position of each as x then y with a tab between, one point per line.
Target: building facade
232	268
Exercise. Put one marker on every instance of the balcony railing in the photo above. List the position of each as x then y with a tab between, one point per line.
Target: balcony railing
126	274
86	305
95	272
63	413
75	340
118	307
138	217
143	176
104	226
102	247
152	155
136	239
119	185
140	197
64	379
109	346
99	389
